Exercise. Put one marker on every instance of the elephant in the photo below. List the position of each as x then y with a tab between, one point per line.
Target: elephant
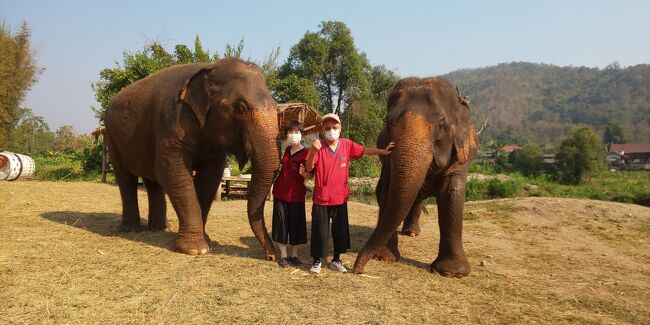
175	128
435	142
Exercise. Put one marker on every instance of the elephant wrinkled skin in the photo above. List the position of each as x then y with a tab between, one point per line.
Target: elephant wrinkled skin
435	142
184	120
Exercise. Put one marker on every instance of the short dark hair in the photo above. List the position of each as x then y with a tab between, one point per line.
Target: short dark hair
293	124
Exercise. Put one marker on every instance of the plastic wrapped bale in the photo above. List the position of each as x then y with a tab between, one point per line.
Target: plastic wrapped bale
15	166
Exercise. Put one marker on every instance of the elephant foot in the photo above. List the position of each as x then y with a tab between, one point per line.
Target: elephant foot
386	254
456	267
270	254
382	254
130	227
411	231
192	245
160	226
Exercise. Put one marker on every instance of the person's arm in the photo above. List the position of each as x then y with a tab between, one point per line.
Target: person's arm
315	146
304	173
377	152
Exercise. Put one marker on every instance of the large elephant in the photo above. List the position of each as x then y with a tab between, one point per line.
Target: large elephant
435	141
182	121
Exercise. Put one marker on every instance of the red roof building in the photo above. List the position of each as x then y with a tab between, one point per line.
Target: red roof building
510	148
630	148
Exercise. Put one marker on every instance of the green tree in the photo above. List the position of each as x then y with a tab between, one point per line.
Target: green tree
528	160
614	133
32	136
153	58
66	139
329	59
580	154
18	72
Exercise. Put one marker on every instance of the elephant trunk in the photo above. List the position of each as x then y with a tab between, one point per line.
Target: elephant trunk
261	133
409	165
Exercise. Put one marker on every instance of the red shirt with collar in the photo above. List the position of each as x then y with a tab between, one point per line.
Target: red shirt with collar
332	170
289	186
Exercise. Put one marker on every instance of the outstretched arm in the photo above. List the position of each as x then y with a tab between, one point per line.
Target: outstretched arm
377	152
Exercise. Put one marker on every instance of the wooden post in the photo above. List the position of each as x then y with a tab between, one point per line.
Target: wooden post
219	189
104	158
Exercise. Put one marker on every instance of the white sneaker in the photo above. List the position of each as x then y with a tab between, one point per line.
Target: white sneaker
315	267
338	266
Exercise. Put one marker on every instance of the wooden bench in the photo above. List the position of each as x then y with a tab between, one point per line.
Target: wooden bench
232	184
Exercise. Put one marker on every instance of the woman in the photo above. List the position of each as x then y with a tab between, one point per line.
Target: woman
289	225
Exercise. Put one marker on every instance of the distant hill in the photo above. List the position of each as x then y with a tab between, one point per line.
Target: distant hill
540	103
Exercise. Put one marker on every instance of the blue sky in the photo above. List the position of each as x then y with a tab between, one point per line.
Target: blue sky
76	39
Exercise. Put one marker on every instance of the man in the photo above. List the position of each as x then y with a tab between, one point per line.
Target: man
330	161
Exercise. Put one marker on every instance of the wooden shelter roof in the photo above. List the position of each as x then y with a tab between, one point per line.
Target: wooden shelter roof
300	112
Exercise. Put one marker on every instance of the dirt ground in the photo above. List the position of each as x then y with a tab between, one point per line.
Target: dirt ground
534	260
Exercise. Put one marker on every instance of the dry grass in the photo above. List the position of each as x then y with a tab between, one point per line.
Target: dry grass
546	260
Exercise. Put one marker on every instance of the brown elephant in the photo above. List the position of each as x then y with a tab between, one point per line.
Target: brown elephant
184	120
435	141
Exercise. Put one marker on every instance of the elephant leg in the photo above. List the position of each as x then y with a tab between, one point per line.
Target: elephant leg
451	260
174	174
411	225
128	185
390	252
206	183
157	218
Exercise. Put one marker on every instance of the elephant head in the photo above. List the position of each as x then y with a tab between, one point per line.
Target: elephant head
434	137
237	115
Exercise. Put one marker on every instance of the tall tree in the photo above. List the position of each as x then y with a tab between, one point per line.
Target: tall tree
330	60
66	139
31	135
614	133
18	72
580	154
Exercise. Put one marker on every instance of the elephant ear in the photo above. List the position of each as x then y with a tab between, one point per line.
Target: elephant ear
195	94
465	139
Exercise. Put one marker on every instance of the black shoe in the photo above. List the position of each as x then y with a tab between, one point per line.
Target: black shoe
295	261
284	262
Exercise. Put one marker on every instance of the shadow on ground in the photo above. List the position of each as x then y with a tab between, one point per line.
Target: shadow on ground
107	224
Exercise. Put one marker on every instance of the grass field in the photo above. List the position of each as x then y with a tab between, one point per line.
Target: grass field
534	260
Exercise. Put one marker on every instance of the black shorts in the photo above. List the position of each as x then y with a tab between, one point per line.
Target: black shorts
320	226
289	224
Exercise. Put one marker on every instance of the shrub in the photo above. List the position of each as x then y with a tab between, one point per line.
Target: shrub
475	190
503	189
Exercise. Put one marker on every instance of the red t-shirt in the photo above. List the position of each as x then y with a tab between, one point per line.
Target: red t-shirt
289	186
332	170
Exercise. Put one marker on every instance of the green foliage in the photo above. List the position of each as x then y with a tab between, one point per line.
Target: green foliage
31	136
475	190
620	186
367	166
18	72
67	166
67	140
493	188
150	60
579	155
541	103
295	89
328	59
528	160
504	189
614	133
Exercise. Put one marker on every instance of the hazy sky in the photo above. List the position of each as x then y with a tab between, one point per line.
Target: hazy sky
76	39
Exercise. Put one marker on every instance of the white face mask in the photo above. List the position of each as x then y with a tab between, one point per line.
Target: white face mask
294	138
333	134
